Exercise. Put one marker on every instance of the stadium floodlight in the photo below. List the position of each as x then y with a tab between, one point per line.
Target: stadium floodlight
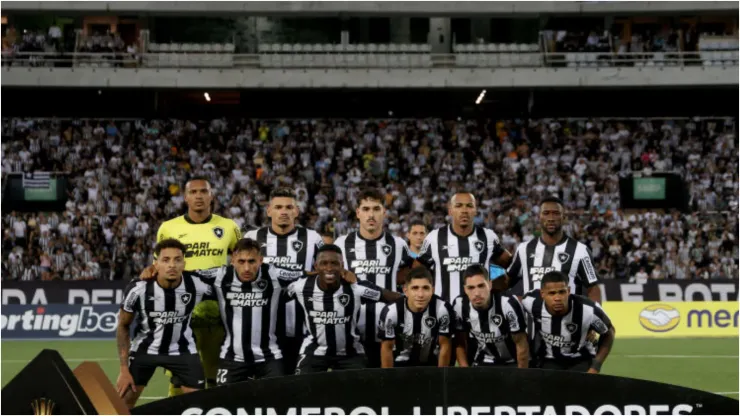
208	97
480	97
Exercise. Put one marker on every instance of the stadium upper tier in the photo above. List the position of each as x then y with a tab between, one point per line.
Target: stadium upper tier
213	59
126	178
376	8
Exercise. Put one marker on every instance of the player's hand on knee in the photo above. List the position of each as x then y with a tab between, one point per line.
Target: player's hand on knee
125	382
149	272
349	277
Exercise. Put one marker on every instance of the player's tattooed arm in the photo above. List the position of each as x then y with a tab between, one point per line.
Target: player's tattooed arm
605	346
125	381
522	349
123	338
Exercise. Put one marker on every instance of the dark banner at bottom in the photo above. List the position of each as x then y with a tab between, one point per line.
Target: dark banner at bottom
451	391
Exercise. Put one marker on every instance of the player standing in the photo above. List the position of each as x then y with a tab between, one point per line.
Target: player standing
563	321
448	251
208	238
417	325
163	338
375	255
553	251
495	322
416	234
291	249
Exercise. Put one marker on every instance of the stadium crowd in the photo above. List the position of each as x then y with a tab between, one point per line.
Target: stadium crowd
126	178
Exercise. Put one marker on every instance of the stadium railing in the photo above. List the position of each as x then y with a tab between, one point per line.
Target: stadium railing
573	60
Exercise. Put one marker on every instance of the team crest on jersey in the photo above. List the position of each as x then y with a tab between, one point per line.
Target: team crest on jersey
261	285
218	232
185	298
563	257
343	299
297	245
478	246
386	249
571	327
430	321
497	320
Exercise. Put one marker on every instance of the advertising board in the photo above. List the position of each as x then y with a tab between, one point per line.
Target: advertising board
674	319
59	321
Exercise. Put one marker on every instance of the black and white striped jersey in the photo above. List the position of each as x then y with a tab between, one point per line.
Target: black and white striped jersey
163	315
376	261
492	327
331	317
292	254
448	255
564	337
416	334
249	311
533	259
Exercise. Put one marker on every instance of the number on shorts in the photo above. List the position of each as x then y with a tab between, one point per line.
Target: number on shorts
221	375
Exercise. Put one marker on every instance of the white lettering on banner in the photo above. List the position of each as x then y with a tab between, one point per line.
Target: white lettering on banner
259	411
631	292
38	298
606	409
673	292
12	296
723	289
67	325
95	296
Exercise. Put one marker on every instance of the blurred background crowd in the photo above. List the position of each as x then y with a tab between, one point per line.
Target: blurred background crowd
126	178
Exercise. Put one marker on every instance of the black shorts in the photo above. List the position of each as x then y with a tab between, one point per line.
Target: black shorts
186	368
230	372
290	348
308	364
372	352
580	365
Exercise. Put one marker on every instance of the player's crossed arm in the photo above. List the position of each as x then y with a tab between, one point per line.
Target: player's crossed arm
514	315
372	292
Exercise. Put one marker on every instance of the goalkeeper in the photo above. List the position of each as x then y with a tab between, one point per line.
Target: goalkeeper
209	238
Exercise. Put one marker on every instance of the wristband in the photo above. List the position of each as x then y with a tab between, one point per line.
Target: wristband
596	365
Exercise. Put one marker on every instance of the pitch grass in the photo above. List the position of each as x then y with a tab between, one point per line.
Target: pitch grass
703	364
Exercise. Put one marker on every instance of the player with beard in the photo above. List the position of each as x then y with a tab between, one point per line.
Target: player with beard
292	250
496	323
375	255
331	307
163	337
554	250
208	238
